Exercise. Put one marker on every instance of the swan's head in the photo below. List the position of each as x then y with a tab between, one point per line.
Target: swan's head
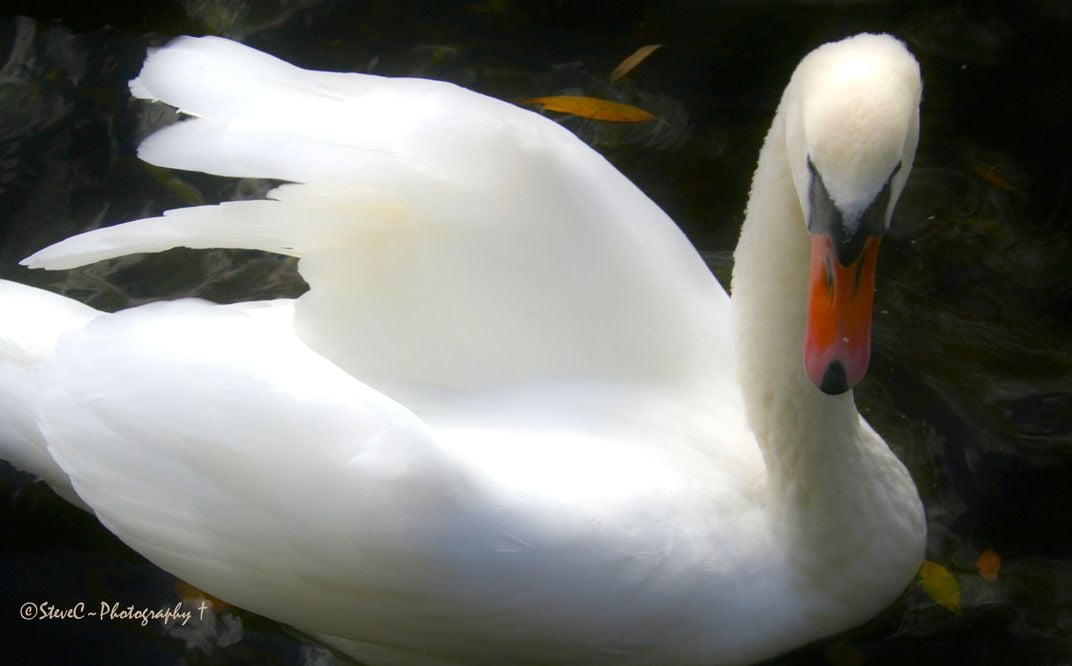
852	125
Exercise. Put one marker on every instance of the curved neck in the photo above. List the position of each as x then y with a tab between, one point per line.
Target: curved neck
787	413
833	485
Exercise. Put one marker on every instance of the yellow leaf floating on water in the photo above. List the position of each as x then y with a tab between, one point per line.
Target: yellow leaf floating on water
592	107
940	585
988	565
638	56
990	175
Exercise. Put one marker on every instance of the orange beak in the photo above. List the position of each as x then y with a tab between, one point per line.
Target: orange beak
837	339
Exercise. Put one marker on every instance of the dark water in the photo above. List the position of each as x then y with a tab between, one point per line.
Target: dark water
971	380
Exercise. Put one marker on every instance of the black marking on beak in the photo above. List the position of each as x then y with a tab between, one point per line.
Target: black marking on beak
826	218
834	380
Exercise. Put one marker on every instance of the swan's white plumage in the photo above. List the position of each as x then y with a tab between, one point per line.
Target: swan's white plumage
507	421
460	188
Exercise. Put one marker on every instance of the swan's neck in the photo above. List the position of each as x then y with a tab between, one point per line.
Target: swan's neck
833	483
794	422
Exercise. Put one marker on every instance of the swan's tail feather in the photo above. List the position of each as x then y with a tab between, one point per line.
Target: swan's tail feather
34	320
210	76
257	116
239	96
298	219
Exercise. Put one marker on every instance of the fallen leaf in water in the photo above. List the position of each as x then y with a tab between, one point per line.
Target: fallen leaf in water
940	585
989	175
592	107
627	65
988	565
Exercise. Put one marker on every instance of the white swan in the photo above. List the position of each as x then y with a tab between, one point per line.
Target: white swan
515	418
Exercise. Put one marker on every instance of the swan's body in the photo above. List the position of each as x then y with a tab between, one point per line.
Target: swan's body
511	420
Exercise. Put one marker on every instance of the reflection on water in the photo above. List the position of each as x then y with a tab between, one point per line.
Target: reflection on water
970	379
